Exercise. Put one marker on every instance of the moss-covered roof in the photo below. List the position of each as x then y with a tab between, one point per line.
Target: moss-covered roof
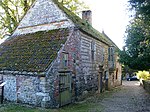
32	52
85	26
35	52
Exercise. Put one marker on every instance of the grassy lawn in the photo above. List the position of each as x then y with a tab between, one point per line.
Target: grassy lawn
91	104
82	107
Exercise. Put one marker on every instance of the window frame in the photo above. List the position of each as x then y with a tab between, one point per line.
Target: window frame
111	54
65	60
93	50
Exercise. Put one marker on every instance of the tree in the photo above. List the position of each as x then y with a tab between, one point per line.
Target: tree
137	46
11	12
74	5
136	52
142	7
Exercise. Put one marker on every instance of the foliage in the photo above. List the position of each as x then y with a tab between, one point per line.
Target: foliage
136	52
142	10
143	75
11	12
75	6
80	107
126	70
142	7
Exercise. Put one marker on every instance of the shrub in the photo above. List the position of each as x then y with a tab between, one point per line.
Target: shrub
143	75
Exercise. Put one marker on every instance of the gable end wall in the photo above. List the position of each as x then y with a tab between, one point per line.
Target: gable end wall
42	16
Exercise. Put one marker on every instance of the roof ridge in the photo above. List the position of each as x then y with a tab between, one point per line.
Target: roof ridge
84	25
109	38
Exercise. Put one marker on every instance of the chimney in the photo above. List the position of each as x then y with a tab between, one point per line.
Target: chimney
87	16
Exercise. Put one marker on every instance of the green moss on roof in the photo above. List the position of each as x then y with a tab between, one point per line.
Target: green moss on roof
84	25
32	52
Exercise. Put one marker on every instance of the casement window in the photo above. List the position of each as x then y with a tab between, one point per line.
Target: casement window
64	60
93	50
103	54
111	54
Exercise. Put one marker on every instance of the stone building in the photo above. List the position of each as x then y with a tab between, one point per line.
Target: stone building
54	58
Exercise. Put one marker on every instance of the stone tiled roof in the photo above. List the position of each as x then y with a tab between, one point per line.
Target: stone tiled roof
85	26
32	52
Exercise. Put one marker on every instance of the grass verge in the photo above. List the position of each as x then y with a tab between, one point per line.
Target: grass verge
91	104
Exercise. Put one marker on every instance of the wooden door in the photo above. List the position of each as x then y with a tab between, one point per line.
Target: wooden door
65	88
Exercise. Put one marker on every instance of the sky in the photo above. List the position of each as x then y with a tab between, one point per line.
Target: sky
111	16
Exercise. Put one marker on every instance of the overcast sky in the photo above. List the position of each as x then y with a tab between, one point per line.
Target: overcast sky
111	16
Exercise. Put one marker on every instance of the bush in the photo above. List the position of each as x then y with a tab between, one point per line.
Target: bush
143	75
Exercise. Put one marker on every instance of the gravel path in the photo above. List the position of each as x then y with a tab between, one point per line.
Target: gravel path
130	98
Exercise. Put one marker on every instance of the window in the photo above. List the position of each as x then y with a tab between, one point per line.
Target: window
93	50
110	54
103	54
65	60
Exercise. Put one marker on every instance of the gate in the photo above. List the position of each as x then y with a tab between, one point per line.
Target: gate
65	87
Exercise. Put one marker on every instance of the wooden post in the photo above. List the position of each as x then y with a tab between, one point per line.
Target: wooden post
100	75
98	82
2	96
101	82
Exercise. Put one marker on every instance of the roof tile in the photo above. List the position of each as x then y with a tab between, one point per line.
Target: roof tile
32	52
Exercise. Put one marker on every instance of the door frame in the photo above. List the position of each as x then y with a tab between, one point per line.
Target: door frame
70	88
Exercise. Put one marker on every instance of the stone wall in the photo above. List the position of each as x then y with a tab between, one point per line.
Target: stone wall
146	85
71	47
10	89
25	88
87	79
43	15
117	72
85	55
84	69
